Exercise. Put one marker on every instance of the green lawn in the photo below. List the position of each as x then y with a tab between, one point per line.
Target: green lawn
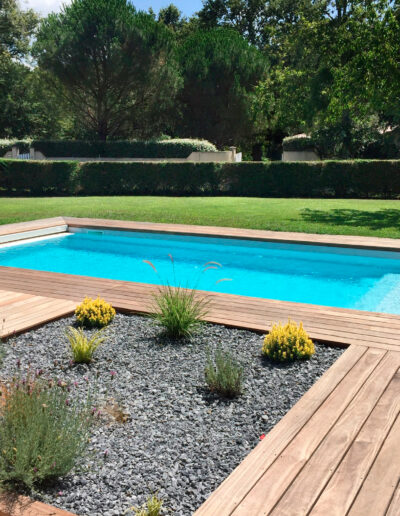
348	217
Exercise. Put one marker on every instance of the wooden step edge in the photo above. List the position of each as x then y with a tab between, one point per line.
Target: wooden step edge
17	505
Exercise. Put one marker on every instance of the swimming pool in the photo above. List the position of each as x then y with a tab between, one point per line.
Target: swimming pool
322	275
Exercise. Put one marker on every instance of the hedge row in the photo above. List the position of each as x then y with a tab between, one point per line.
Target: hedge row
298	143
360	178
179	148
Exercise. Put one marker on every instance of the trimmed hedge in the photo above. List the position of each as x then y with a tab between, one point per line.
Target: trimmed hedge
139	178
298	143
6	145
178	148
358	178
28	177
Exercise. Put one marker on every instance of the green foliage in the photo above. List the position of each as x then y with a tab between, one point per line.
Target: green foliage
221	71
298	143
117	66
148	178
42	433
171	148
16	29
28	177
223	374
152	507
347	178
347	137
179	311
83	347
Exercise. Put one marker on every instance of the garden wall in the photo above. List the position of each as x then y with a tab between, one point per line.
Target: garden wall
359	178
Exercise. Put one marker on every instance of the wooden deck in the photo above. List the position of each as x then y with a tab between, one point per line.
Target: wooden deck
337	451
21	311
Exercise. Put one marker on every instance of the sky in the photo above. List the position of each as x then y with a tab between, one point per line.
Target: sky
188	7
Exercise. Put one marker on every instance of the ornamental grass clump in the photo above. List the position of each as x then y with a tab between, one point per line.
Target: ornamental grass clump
223	374
83	347
179	311
43	433
288	343
94	313
152	507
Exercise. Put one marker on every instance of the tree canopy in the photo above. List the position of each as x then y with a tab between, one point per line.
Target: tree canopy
239	72
116	66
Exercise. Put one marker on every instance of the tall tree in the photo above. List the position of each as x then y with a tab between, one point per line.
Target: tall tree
117	66
16	29
221	71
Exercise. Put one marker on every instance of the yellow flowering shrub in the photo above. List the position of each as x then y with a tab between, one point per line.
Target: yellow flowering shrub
94	312
287	343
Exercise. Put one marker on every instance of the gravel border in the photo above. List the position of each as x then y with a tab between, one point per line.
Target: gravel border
179	440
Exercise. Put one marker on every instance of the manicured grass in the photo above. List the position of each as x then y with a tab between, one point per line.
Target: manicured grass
335	216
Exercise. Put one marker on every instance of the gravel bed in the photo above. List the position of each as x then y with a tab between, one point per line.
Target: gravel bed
179	440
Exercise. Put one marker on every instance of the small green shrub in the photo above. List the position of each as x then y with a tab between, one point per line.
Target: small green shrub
287	343
179	311
153	507
298	143
42	433
94	312
83	347
223	374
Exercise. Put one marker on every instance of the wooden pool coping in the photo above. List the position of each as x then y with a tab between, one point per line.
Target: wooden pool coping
335	448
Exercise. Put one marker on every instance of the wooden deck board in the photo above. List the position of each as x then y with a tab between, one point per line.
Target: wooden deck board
337	451
22	312
342	489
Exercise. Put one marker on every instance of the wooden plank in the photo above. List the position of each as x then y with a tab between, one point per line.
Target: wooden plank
379	487
233	489
11	505
306	488
32	311
394	507
20	227
263	496
340	492
250	234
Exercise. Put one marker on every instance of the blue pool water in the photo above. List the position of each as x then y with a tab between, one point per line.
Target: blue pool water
348	278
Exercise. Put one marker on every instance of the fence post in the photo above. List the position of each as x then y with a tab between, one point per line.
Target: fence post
14	152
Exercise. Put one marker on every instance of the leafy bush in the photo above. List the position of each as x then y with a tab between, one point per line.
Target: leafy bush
179	311
83	347
172	148
298	143
223	374
288	343
94	312
153	507
42	433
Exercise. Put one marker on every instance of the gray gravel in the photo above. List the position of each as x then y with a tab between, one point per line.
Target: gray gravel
179	440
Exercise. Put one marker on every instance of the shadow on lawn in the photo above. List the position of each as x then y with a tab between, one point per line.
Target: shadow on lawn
381	219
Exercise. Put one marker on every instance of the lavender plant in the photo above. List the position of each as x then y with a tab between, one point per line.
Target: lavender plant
43	432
